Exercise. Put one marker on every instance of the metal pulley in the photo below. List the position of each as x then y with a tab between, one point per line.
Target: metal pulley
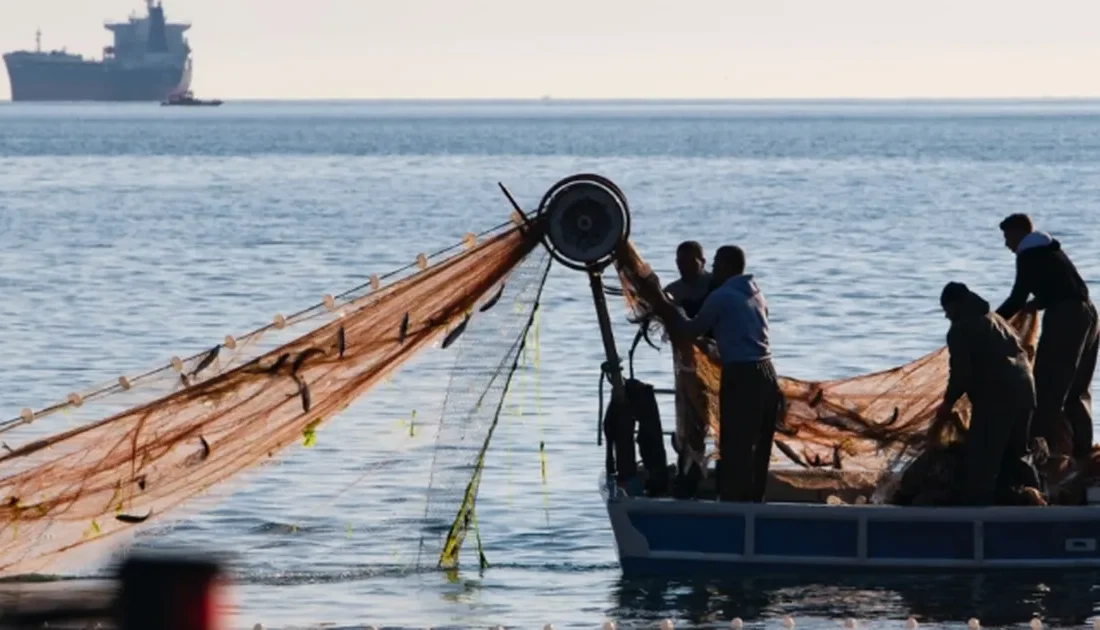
587	218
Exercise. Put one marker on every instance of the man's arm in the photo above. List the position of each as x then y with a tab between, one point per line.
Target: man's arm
703	321
959	380
1017	299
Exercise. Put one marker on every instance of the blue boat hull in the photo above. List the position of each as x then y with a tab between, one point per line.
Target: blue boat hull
666	537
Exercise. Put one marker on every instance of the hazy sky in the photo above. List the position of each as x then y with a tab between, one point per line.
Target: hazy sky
606	48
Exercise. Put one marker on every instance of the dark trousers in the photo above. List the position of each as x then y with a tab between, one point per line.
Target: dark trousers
996	444
1065	362
751	404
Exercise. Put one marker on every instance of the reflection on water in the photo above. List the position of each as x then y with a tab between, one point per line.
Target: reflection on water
1061	599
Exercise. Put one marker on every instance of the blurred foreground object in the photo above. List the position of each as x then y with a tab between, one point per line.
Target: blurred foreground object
150	592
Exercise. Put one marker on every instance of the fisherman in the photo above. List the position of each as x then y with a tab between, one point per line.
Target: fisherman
751	402
689	440
989	365
1066	357
693	285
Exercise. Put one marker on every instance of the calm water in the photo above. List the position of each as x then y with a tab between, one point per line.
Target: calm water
134	233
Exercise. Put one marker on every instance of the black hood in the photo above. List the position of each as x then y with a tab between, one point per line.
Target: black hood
969	304
973	305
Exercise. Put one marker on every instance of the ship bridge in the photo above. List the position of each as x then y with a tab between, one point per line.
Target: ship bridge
142	37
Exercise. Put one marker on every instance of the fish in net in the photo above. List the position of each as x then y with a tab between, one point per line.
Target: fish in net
854	434
168	435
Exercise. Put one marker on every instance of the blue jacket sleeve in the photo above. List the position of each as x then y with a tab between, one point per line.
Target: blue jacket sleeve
703	321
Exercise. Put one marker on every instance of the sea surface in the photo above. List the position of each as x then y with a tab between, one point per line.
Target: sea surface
132	233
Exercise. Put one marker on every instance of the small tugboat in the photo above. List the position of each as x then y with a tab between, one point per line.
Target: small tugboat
186	98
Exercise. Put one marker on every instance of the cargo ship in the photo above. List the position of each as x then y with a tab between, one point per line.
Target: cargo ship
150	60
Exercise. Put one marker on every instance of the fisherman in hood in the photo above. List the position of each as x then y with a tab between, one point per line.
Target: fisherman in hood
989	365
1066	357
751	401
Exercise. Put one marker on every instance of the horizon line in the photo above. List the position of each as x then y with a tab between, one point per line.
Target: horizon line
839	100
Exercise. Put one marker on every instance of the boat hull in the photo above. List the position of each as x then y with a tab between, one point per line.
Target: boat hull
666	537
36	77
192	104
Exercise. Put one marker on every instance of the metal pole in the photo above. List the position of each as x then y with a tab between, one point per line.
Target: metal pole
626	463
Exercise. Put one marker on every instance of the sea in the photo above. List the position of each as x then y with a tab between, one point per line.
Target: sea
131	233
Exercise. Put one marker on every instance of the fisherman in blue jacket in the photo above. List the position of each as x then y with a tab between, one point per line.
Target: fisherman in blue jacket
751	401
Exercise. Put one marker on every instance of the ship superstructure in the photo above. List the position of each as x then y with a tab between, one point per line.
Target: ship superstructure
149	60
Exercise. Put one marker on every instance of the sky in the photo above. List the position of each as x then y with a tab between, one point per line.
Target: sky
723	49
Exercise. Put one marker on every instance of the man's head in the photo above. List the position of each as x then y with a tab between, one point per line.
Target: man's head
690	260
729	261
1015	227
952	297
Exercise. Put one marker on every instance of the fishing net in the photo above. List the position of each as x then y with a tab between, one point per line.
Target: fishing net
165	436
157	440
853	432
484	367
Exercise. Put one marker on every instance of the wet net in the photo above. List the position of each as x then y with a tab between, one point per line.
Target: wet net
484	367
853	433
163	437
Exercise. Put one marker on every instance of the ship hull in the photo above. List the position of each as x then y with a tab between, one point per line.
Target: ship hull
86	80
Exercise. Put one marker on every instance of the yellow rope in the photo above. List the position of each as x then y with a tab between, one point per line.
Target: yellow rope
515	391
538	414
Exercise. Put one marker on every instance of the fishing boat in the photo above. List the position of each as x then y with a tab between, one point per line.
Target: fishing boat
798	528
188	99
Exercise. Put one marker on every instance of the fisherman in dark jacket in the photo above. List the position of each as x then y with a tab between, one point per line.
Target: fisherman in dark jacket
1066	357
751	401
990	366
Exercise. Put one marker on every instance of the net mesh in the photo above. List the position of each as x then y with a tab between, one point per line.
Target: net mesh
475	397
855	432
170	434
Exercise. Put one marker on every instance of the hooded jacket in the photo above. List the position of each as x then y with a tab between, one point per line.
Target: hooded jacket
1045	271
987	359
736	314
